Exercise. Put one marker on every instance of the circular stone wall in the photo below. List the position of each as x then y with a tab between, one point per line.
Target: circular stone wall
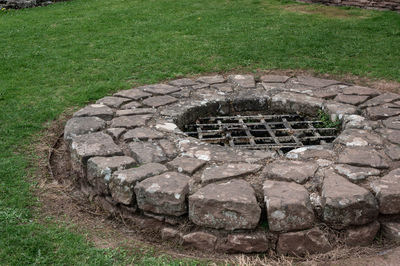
131	156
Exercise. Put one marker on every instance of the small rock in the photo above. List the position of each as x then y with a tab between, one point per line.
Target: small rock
168	233
391	230
160	89
288	206
200	240
297	171
345	203
387	192
142	133
243	81
211	79
158	101
135	94
230	206
147	152
362	156
130	121
123	181
99	110
354	173
303	242
362	235
113	102
186	164
225	171
82	125
163	194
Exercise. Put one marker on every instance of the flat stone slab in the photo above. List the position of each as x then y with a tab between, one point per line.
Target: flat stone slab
345	203
211	79
123	182
274	78
115	133
392	151
135	111
186	164
288	206
310	152
362	91
113	102
226	171
99	110
100	169
362	235
351	99
147	152
82	125
387	191
231	205
242	81
363	156
163	194
355	173
339	110
303	242
382	112
381	99
247	243
185	82
358	138
392	123
297	171
160	89
158	101
142	133
316	82
135	94
130	121
200	240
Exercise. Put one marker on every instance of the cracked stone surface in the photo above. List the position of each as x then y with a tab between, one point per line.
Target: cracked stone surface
288	206
231	205
131	156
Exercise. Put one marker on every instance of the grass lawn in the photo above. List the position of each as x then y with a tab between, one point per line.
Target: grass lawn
71	53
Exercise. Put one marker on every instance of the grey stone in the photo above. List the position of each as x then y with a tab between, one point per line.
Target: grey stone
316	82
362	235
288	206
247	243
362	156
113	102
296	102
351	99
297	171
309	152
142	133
392	123
115	133
158	101
303	242
200	241
184	82
163	194
200	86
135	111
345	203
392	151
168	147
274	78
387	192
329	92
211	79
382	112
362	91
168	233
358	138
391	230
135	94
160	89
183	93
391	135
231	205
242	81
82	125
186	164
100	169
381	99
86	146
354	173
131	105
339	110
130	121
99	110
123	182
358	122
226	171
147	152
224	87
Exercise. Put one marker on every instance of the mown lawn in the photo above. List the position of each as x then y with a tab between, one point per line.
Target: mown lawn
72	53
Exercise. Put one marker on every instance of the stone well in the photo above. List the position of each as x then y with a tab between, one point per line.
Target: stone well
131	152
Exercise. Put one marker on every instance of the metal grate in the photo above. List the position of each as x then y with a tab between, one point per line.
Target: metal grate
278	132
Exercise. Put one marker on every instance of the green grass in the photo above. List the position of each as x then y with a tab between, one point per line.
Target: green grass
71	53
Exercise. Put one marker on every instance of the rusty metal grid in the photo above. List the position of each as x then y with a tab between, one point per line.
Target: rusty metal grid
277	132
